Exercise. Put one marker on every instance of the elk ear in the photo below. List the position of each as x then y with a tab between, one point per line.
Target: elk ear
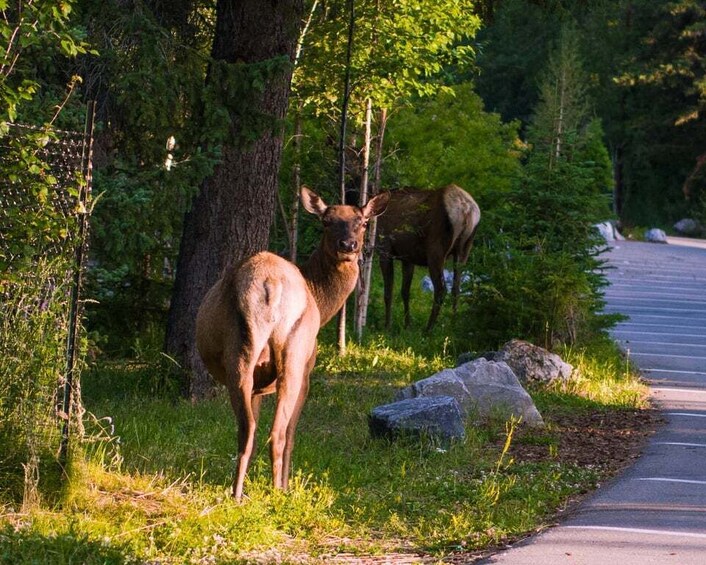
377	205
312	202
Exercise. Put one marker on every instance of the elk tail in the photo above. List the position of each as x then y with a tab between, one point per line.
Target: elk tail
271	298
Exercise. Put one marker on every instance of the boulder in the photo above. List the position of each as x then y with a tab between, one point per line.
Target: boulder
655	235
689	227
437	416
533	364
609	232
443	383
494	389
428	286
481	388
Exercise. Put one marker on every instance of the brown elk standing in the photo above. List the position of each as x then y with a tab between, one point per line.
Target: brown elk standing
425	227
256	327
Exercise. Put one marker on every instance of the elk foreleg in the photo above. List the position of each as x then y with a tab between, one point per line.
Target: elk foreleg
407	276
388	279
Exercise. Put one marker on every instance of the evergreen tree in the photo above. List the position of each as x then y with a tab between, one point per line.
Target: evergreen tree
538	270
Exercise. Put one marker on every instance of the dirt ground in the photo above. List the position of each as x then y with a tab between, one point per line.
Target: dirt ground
609	440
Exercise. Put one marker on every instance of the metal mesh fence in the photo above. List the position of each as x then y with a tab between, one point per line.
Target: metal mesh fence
44	199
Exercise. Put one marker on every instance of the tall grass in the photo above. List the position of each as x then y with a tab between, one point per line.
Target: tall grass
33	330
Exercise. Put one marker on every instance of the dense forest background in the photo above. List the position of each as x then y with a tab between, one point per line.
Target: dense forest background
552	113
210	114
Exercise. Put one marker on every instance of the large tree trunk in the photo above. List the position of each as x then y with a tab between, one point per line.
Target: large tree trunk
231	215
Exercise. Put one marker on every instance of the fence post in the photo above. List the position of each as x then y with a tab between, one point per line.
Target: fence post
80	255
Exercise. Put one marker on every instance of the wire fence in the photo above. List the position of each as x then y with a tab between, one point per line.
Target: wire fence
45	187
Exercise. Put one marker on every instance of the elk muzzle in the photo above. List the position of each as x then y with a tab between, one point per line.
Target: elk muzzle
348	245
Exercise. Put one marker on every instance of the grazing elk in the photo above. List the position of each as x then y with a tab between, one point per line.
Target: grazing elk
425	227
256	327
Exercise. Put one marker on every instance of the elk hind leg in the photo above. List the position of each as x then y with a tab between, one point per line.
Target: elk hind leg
242	402
292	384
294	420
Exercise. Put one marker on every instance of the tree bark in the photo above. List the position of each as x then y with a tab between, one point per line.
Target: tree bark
363	290
231	215
341	322
366	273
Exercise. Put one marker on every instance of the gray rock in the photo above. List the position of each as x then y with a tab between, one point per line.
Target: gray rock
428	286
533	364
655	235
438	416
494	389
609	232
443	383
481	389
688	226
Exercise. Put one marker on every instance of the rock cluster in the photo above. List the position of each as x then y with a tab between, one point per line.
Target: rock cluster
473	392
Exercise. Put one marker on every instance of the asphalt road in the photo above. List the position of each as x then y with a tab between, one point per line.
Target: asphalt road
655	512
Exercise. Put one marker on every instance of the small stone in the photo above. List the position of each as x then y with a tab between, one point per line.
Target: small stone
655	235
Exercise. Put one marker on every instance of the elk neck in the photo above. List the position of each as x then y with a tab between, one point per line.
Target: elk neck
330	281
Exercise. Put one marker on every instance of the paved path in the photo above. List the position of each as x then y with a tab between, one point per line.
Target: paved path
655	512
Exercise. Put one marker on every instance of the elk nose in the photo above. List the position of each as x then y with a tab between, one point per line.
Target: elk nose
348	246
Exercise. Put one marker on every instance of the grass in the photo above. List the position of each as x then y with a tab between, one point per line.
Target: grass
153	484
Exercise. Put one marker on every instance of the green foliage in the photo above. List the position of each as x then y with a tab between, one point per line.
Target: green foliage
31	220
151	81
515	49
449	138
39	207
229	96
34	35
537	270
534	266
661	78
402	48
39	218
645	70
33	326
